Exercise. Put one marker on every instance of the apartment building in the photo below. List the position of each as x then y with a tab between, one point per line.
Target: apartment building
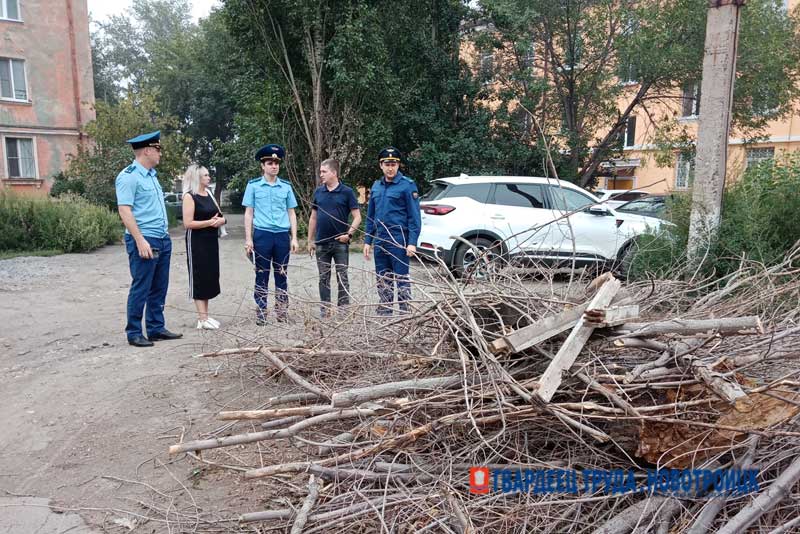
637	168
46	88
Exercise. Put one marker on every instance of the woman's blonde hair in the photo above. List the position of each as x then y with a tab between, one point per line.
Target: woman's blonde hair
191	178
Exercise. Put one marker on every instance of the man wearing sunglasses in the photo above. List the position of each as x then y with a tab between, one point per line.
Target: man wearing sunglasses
140	202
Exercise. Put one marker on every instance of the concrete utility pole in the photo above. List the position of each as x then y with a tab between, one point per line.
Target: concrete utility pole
716	96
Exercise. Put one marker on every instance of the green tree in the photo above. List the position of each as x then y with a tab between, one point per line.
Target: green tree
91	172
345	78
191	70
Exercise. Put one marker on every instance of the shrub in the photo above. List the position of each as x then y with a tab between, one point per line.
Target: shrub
69	224
63	185
759	223
235	198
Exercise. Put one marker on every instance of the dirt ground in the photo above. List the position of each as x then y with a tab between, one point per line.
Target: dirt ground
87	419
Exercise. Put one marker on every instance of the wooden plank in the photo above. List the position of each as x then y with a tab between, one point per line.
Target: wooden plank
612	316
539	331
551	379
731	325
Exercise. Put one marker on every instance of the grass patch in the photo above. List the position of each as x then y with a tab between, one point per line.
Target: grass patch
9	254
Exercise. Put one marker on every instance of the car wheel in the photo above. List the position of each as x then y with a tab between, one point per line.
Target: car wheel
476	260
624	262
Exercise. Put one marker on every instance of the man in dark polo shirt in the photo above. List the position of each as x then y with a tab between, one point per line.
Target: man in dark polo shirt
329	233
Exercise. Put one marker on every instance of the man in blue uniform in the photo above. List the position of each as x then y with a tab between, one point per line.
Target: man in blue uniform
329	234
393	226
269	219
140	202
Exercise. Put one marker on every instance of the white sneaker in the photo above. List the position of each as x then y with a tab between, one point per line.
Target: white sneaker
213	321
206	325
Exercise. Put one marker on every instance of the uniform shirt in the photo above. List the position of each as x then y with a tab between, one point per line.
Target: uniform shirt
138	188
270	203
333	211
393	213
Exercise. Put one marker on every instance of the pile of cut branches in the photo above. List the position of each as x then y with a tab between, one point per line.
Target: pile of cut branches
550	386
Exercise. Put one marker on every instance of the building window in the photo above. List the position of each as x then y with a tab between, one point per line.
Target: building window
691	99
628	73
684	172
9	9
487	66
521	120
765	102
12	79
527	56
574	54
630	132
20	159
757	155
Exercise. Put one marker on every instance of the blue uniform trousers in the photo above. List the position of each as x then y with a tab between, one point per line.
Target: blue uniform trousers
391	268
150	280
272	252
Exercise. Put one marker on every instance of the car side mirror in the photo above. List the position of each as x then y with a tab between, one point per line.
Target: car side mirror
600	211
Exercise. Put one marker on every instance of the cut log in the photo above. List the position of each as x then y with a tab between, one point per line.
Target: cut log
252	437
329	446
391	389
284	421
787	527
339	474
537	332
724	388
551	379
302	516
765	501
626	520
290	373
705	519
379	502
731	326
636	343
228	352
316	409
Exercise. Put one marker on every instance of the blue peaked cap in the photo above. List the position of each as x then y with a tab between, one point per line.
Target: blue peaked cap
389	153
270	152
145	140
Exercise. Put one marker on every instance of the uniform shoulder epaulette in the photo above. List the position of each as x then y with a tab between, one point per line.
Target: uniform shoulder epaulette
287	182
129	169
254	180
409	180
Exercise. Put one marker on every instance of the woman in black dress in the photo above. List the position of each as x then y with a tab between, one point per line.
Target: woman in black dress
201	218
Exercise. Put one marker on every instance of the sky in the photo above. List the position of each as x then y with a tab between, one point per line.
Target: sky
100	9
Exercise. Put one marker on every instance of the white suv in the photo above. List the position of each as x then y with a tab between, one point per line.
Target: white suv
539	219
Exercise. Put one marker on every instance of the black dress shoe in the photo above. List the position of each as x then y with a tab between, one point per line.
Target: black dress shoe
140	341
164	335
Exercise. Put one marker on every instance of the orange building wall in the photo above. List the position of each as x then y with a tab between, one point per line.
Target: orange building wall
53	40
